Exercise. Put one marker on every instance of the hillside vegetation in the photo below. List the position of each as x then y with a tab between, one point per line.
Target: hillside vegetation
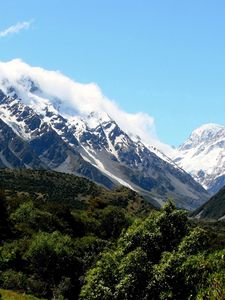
63	237
77	192
214	208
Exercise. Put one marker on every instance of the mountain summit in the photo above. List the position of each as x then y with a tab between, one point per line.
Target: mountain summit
202	155
43	126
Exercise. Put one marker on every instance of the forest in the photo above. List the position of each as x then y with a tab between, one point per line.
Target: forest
90	243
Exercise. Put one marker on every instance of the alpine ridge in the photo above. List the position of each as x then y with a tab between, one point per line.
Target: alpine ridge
37	130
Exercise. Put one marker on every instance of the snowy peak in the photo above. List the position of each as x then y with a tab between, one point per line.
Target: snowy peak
203	134
207	130
94	119
203	156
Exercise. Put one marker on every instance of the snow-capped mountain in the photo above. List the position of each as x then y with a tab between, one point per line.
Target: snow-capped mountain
203	156
38	130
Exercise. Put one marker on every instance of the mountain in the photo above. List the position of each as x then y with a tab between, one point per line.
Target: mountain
214	208
28	141
48	134
203	156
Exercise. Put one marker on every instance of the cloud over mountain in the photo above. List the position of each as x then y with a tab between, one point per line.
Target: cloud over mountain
73	98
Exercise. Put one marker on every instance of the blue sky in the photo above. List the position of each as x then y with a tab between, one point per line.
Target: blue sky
165	58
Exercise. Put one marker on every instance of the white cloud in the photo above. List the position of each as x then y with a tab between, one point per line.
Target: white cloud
78	98
15	28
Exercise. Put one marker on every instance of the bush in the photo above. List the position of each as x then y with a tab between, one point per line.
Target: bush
13	280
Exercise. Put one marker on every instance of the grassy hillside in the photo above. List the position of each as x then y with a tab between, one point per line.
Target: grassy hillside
71	190
214	208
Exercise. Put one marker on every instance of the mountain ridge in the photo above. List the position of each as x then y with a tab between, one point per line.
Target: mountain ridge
94	146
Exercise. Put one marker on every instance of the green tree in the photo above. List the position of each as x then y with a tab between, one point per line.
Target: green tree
28	219
102	279
215	289
112	221
173	225
125	273
52	257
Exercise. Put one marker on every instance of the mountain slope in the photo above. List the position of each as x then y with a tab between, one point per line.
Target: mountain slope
214	208
15	152
91	145
202	155
68	189
47	148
